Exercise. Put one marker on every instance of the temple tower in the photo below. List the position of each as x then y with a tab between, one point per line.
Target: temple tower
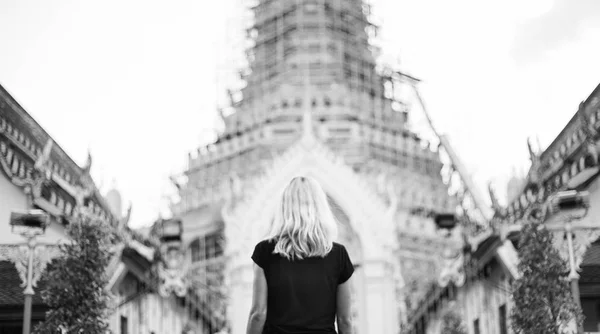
315	105
320	48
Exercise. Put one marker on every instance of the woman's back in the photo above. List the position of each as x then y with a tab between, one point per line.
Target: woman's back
301	294
300	272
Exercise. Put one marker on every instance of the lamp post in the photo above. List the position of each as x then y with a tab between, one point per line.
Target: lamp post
574	206
171	271
29	224
447	222
455	263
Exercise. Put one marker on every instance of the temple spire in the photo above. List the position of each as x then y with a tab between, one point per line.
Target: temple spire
287	34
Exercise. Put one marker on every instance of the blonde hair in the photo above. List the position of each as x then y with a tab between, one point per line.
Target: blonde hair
304	225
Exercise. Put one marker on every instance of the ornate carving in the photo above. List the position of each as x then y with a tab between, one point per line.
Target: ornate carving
33	181
538	211
173	277
495	203
452	268
535	212
534	171
88	164
19	256
171	281
582	239
42	256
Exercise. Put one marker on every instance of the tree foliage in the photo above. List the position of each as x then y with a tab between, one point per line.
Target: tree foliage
452	323
75	293
543	302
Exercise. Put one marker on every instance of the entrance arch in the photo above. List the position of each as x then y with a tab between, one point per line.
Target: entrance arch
364	228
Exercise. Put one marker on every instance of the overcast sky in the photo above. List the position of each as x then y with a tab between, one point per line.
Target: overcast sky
137	82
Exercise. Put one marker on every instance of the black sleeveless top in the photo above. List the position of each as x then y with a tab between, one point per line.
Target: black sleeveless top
302	293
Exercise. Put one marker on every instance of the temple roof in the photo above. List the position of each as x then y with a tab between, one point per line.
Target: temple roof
563	160
24	143
568	128
592	255
590	267
20	119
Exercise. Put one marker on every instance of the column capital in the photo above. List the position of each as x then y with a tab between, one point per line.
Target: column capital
19	254
582	239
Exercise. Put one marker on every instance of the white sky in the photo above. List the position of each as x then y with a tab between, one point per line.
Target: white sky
137	82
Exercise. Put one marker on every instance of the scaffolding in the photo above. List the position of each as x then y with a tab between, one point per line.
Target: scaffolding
334	35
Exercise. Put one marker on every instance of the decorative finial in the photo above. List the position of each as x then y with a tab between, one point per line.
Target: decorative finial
532	154
88	163
534	176
495	204
123	222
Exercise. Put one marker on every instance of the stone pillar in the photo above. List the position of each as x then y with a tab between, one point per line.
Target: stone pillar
240	297
381	305
360	299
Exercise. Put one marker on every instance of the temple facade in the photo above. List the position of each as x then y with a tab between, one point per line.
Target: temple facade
479	289
37	174
570	163
315	105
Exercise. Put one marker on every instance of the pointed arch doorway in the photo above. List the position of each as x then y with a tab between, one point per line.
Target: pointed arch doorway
364	228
